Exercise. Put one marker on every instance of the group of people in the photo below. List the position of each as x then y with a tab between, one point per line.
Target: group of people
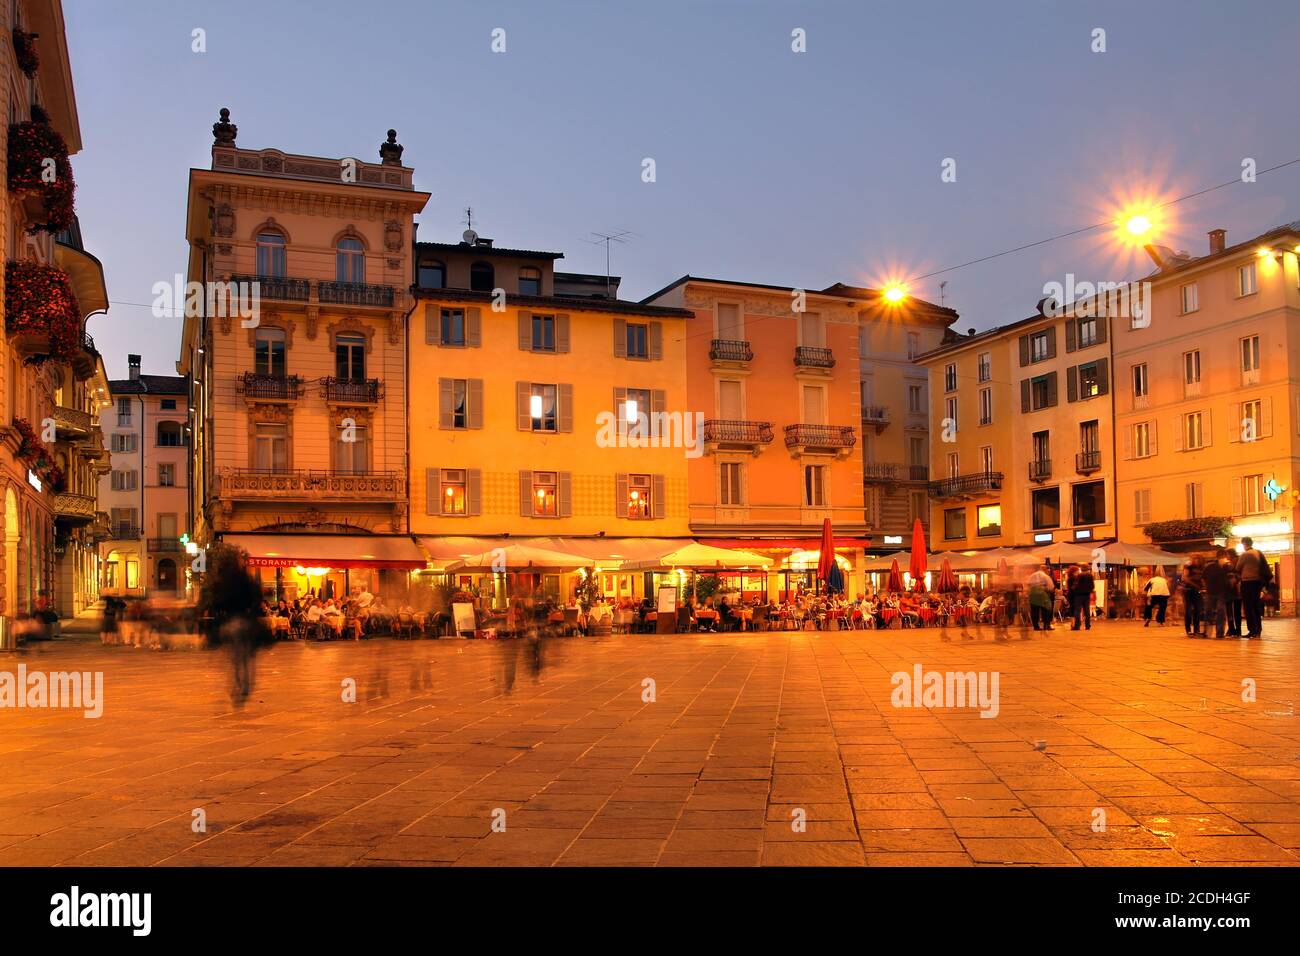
356	616
1223	591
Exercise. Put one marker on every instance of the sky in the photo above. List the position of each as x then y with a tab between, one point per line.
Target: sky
770	165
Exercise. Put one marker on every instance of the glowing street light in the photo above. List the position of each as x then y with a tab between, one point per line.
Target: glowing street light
895	293
1138	226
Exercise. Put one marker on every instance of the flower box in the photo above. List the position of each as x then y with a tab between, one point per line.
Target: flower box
41	311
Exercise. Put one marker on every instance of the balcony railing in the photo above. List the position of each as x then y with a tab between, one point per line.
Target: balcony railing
123	532
965	485
877	415
168	545
366	391
251	483
918	472
808	357
73	507
878	471
820	436
280	288
733	432
355	293
1040	470
730	350
72	422
1087	461
253	385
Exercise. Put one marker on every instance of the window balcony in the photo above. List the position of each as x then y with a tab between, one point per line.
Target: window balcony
347	391
835	440
1086	462
250	484
1040	470
722	433
355	293
876	416
730	350
282	388
966	486
880	473
278	288
808	357
165	545
123	532
72	423
85	357
74	509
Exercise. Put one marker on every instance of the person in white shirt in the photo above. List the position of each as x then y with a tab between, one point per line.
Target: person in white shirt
364	598
1158	597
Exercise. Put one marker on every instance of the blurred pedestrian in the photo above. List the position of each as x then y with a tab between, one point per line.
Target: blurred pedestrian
1215	576
1157	591
1190	587
1254	573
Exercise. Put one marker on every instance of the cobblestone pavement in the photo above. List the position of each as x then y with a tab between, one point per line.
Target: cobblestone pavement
745	735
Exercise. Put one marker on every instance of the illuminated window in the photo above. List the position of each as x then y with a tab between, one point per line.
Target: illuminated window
542	407
988	520
452	491
544	494
638	496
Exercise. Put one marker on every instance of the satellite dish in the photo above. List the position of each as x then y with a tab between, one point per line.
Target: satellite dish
469	236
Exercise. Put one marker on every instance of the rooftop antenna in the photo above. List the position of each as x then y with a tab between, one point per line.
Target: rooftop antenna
942	288
469	235
605	238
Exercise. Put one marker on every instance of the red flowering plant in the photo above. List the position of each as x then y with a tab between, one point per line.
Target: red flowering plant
25	51
35	452
38	163
39	299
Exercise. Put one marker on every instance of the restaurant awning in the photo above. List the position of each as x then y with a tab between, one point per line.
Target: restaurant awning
701	556
328	550
517	556
607	553
784	544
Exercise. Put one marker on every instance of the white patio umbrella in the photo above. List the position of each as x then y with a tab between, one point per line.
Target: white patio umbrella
701	557
1064	552
1118	552
517	556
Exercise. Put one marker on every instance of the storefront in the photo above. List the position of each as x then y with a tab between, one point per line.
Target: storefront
290	566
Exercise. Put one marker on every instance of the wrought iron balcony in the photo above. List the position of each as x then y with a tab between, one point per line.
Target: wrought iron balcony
252	484
363	391
355	293
1086	462
168	545
123	532
878	472
72	423
722	431
918	472
85	356
876	416
282	387
279	288
730	350
808	357
836	439
1040	470
965	486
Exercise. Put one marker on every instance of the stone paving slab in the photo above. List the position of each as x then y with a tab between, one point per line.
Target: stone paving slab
773	749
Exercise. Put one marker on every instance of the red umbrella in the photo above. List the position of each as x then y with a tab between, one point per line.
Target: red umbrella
916	567
826	559
895	577
947	580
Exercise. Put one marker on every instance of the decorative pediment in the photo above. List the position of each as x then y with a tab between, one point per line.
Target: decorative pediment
273	321
351	325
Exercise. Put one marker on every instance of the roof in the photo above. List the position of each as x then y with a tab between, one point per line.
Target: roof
574	303
487	250
839	290
150	385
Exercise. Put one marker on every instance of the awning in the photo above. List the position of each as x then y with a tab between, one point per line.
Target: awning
446	550
701	556
328	550
784	544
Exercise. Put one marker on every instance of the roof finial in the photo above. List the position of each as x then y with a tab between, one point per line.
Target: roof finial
391	151
224	131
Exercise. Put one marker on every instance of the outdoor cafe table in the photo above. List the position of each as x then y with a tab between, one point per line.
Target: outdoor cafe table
927	614
888	614
746	616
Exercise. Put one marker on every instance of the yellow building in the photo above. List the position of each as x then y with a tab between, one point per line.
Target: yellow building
1207	401
295	344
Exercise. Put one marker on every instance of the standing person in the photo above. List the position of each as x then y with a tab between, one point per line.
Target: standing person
1232	596
1190	584
108	622
1041	588
1253	572
1082	588
1215	577
1157	590
231	599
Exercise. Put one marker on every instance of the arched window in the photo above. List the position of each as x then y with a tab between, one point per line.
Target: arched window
482	278
350	261
530	281
268	353
170	434
270	255
433	274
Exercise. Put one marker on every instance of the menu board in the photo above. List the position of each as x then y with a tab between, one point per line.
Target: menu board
463	615
667	601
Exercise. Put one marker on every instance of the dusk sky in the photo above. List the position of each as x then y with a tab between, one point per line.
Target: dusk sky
772	166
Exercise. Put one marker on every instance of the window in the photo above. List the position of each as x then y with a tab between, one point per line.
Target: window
986	459
986	406
985	366
1090	439
954	464
350	457
1195	492
270	255
638	496
1253	499
1193	437
543	333
455	392
123	442
482	277
544	494
350	261
453	491
950	411
1040	392
168	404
1042	448
1250	360
918	506
530	281
123	480
167	475
988	520
730	328
1246	279
915	399
1252	417
814	486
1190	298
1090	503
1141	505
635	410
542	406
451	327
1046	508
913	344
1090	380
638	340
731	482
950	378
123	409
432	274
1192	372
812	331
1140	381
1039	346
268	353
1142	440
954	523
270	447
170	435
350	358
1087	332
916	451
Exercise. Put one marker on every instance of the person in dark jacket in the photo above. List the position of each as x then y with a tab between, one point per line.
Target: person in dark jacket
1082	587
1253	572
1190	585
1216	593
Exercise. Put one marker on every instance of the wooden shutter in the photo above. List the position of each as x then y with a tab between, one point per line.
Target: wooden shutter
1236	496
1051	342
446	401
1072	383
564	494
526	494
656	341
562	332
432	491
620	338
1071	336
1024	350
658	407
1206	438
1051	389
431	318
474	327
1265	429
620	495
1234	433
564	414
473	492
474	398
1103	375
1126	442
1024	396
1152	430
1180	430
620	410
657	503
523	417
525	330
1102	322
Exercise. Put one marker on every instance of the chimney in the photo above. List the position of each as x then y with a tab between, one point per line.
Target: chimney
133	367
1218	240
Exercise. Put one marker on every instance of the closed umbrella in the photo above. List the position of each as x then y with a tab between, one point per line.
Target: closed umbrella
835	580
947	583
826	557
917	567
895	577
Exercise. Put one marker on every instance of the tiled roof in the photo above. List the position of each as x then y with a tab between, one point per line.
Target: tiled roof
150	385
